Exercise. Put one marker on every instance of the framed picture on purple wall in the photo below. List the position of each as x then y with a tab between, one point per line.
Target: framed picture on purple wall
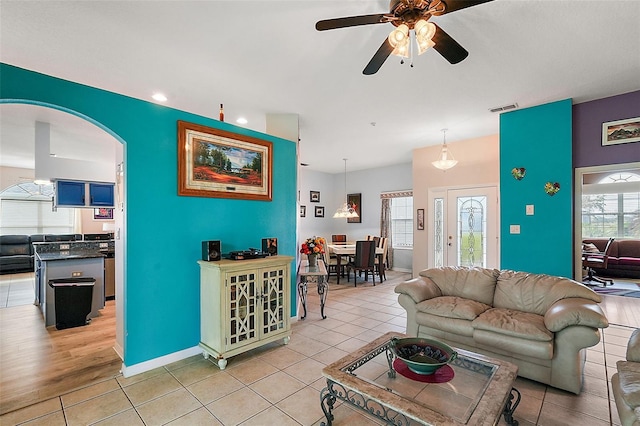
621	131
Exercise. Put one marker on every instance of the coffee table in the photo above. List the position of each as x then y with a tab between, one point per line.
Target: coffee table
480	391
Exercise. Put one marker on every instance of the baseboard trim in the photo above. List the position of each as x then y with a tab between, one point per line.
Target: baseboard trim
400	269
132	370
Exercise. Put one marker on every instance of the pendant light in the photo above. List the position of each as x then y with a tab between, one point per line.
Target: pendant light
446	160
346	211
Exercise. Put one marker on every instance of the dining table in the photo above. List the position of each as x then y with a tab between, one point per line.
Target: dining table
341	250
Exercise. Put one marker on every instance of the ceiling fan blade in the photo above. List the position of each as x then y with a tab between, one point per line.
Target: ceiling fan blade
453	5
378	58
448	47
350	21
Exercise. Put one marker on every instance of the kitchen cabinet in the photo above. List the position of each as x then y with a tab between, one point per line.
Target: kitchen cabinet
244	304
101	194
71	193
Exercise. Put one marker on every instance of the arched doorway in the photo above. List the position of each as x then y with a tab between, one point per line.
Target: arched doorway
74	138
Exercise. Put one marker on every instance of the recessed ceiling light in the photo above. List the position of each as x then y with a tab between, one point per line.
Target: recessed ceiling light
159	97
241	120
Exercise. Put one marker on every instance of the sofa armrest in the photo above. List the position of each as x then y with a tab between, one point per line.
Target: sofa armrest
633	347
419	289
574	311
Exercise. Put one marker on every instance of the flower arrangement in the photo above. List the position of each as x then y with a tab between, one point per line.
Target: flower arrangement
518	172
551	188
313	245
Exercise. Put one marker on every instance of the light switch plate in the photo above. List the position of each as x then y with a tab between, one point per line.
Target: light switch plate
529	209
76	274
514	229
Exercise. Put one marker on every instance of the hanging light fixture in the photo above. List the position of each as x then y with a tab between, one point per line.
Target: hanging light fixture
446	160
346	211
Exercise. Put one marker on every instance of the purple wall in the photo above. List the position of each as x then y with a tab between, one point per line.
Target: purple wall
587	131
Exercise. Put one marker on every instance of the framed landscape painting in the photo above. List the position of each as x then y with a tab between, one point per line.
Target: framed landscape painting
621	131
217	163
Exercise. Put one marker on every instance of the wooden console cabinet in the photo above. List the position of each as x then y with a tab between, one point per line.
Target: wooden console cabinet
244	304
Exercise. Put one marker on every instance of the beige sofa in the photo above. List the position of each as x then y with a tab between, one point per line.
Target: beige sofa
539	322
626	383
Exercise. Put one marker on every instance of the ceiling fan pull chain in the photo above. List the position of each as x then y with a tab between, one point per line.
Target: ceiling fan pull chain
411	50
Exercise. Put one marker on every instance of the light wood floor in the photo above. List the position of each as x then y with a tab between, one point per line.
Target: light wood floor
37	363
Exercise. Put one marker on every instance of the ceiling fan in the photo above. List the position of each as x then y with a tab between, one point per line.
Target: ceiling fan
407	15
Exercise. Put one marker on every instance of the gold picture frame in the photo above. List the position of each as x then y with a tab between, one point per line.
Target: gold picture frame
222	164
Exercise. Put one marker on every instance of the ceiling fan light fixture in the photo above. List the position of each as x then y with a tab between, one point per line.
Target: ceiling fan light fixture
399	39
399	36
424	34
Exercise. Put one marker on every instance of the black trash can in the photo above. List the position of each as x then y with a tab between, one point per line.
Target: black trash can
73	297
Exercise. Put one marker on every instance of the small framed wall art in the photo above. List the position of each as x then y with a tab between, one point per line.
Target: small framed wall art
319	211
420	219
303	211
314	196
354	201
102	214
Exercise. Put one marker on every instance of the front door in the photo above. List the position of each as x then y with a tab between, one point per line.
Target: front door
465	227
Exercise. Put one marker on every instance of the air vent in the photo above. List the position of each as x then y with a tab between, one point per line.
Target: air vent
504	108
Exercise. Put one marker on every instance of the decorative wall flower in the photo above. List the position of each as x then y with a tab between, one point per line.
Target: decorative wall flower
551	188
518	172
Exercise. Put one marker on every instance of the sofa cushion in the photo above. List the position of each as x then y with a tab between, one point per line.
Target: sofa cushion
628	248
590	248
469	283
513	323
513	347
629	376
452	307
536	293
633	347
457	326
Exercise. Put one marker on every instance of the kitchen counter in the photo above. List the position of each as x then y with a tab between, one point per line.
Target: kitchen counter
71	254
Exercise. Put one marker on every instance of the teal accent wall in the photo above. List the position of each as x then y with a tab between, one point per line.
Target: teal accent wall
164	231
539	139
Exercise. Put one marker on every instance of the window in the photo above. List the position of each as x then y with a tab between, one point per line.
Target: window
402	222
26	209
611	208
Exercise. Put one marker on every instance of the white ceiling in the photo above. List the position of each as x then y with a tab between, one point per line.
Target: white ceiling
260	57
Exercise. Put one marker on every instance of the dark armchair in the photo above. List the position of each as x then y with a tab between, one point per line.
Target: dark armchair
596	259
364	260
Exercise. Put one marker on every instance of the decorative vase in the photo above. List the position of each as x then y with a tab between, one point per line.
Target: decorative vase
313	260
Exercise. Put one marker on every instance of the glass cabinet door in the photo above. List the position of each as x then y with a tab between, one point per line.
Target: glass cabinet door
273	283
242	305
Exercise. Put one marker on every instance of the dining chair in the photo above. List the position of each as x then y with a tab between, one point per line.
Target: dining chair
339	238
364	260
330	262
598	260
382	267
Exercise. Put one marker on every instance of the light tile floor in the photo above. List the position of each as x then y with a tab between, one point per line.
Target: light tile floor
16	289
280	385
